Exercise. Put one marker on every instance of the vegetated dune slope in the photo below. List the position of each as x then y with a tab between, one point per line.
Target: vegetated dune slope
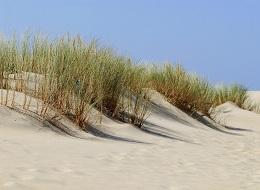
171	151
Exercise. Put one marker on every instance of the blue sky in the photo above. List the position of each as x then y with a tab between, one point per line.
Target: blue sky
219	39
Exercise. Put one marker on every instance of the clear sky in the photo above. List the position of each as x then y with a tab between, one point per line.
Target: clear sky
219	39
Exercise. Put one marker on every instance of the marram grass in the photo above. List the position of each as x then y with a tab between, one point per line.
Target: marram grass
188	92
235	93
76	76
72	76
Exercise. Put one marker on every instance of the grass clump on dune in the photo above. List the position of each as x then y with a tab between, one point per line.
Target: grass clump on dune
193	93
72	76
235	93
75	77
186	91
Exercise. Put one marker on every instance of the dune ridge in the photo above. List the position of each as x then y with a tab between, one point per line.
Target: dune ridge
171	151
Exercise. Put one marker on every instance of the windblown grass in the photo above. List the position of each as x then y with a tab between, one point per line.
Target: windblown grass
193	93
74	77
188	92
235	93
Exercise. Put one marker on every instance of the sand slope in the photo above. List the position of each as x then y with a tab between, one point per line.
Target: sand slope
172	151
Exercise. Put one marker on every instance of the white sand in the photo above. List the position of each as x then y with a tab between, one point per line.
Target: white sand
255	95
174	151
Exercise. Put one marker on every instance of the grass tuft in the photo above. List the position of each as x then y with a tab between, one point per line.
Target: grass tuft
72	76
235	93
188	92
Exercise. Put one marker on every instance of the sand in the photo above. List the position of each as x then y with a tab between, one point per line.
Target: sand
172	151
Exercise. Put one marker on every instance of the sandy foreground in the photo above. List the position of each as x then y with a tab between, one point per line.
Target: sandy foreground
172	151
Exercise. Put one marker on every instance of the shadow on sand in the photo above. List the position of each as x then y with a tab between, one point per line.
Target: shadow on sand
211	124
162	132
105	134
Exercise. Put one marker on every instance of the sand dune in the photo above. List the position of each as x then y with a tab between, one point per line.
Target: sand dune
255	95
172	151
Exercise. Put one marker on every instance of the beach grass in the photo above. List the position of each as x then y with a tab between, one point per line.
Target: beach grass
193	93
73	77
235	93
186	91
